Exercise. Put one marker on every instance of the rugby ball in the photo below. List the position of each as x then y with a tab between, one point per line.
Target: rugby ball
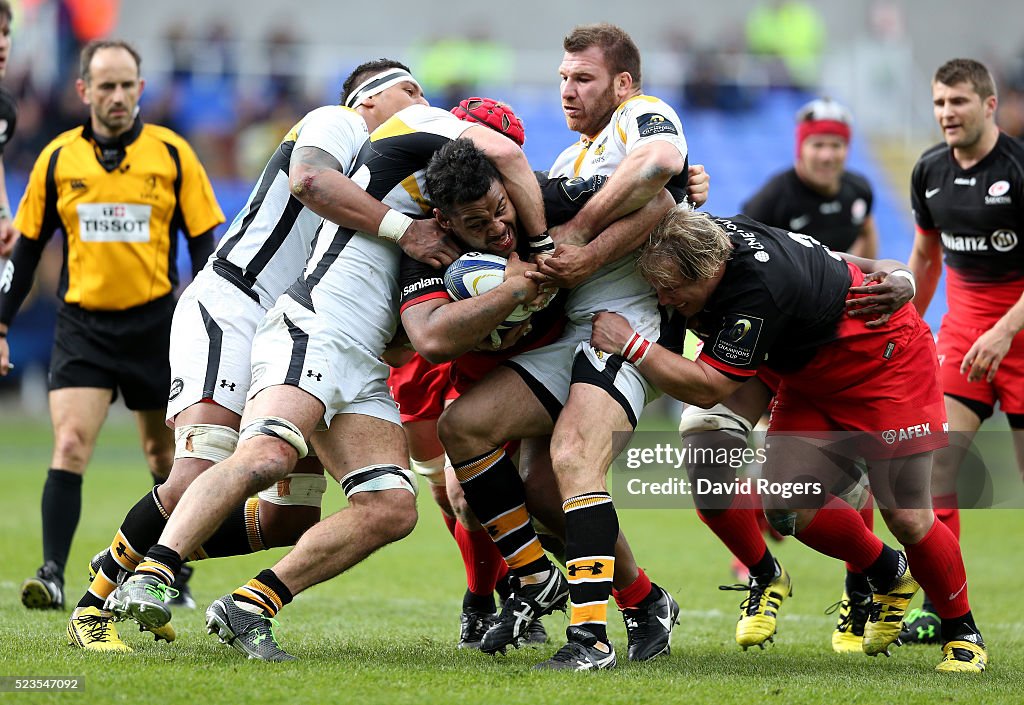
476	273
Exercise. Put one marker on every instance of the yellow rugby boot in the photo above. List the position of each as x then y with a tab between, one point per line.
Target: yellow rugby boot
887	611
760	610
848	636
965	654
93	629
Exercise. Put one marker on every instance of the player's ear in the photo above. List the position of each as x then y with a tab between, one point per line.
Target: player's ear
623	82
442	220
80	88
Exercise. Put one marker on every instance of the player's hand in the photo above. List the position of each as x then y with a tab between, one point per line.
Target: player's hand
610	332
698	183
8	235
883	296
518	268
5	358
503	339
426	242
982	360
566	268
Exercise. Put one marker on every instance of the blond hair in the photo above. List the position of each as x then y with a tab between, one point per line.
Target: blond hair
684	244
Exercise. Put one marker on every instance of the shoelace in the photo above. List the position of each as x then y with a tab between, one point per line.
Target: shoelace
635	629
160	591
97	627
752	602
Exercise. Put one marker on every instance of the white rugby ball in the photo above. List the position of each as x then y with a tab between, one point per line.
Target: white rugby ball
476	273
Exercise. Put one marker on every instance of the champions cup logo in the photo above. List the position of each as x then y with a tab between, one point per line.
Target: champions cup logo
739	330
889	436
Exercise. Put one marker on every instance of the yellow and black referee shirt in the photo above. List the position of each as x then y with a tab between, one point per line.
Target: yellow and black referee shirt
120	224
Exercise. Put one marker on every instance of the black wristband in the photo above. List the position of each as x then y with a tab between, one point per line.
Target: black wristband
541	244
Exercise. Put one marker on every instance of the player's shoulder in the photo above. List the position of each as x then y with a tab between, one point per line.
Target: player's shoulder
1012	147
333	112
933	155
644	104
167	136
60	141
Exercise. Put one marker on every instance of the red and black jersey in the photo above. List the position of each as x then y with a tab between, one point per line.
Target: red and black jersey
781	298
787	202
978	212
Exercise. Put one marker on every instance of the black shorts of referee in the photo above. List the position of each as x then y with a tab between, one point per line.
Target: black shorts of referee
117	350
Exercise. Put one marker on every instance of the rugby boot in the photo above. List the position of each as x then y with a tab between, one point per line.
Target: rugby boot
848	636
251	633
921	626
523	607
473	624
142	598
582	652
45	590
93	629
536	634
964	654
887	611
759	611
649	629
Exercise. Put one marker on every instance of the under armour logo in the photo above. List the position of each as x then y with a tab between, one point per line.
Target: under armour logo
121	549
311	373
258	638
77	184
928	633
492	531
230	386
593	569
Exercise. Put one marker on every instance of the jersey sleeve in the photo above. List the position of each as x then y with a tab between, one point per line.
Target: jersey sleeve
564	197
419	282
37	216
336	130
644	119
922	216
198	205
737	341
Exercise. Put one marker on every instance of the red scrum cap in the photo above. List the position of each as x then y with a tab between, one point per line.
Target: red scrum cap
495	114
823	116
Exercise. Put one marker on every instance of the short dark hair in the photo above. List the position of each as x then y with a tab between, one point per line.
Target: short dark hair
90	49
970	71
5	10
620	52
459	172
363	71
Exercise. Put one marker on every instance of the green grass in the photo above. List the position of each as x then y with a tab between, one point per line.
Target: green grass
385	632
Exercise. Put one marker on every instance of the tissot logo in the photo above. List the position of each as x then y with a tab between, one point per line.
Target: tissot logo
113	222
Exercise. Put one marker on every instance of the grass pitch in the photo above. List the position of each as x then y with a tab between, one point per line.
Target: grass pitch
385	632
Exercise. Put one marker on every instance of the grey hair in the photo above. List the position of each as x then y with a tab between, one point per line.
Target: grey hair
686	244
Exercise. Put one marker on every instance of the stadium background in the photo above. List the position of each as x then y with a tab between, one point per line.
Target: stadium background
233	75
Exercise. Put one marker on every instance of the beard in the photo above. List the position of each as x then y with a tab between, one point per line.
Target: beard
596	115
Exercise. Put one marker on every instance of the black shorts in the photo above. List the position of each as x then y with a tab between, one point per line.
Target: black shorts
114	350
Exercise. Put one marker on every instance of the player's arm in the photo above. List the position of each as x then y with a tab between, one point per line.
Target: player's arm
441	329
926	266
571	264
888	285
316	180
15	284
519	179
7	231
641	175
200	248
692	382
982	360
866	244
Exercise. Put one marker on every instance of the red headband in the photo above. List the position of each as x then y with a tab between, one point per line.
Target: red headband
806	128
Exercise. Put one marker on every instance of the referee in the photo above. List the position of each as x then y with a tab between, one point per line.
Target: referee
119	190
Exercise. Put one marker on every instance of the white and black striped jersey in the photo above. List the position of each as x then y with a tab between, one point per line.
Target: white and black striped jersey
356	274
269	241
